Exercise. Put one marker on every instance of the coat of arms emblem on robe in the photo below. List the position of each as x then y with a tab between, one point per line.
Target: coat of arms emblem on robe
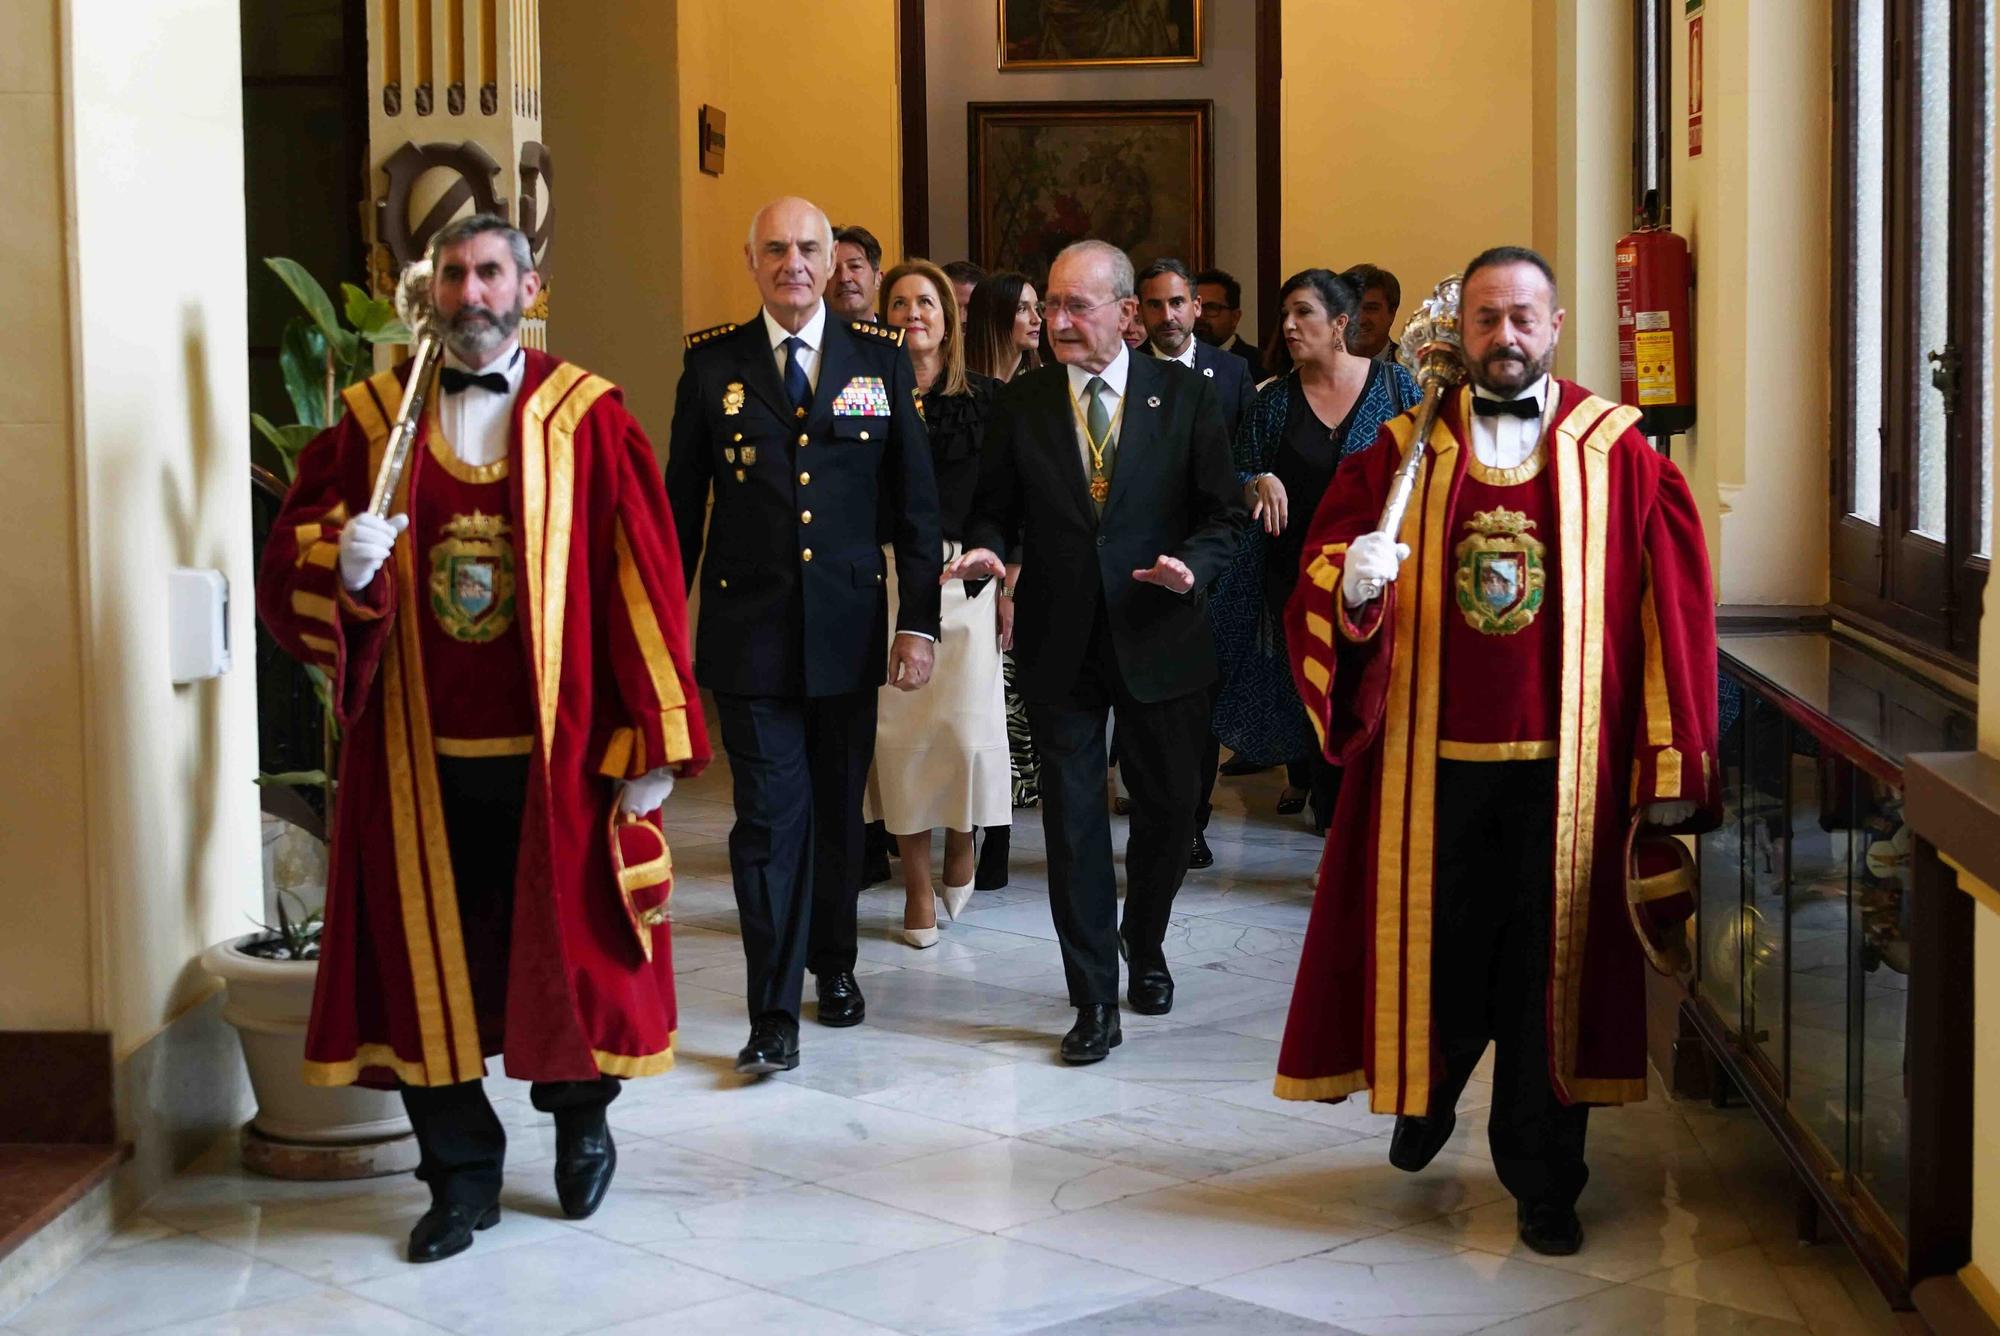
1500	575
472	578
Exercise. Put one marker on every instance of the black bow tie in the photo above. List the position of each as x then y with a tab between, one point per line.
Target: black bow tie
454	380
1524	407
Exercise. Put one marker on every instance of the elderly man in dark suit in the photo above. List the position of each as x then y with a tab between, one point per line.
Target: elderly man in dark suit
1115	470
805	429
1170	307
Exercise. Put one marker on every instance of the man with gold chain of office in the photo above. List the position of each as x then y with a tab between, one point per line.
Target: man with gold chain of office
1518	689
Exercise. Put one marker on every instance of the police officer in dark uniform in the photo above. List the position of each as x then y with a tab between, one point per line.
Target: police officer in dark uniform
806	429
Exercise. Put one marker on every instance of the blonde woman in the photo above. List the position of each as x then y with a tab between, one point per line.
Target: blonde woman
941	753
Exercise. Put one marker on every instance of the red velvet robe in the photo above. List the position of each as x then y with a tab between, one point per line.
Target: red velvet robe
603	621
1636	724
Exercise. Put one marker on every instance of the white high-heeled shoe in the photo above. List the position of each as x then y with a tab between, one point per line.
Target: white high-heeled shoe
921	938
955	899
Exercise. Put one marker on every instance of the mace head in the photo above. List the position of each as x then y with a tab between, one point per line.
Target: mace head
1431	347
413	297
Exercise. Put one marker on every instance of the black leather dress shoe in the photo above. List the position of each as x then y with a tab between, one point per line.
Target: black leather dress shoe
840	1000
1553	1231
1150	989
446	1230
1094	1035
1236	767
773	1047
1201	855
991	874
1416	1141
585	1160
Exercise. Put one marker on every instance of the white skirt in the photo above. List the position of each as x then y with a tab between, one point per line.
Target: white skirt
941	755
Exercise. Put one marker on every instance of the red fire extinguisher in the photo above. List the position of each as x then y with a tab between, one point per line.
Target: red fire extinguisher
1655	328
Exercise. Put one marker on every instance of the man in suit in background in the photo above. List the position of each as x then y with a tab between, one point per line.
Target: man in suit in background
964	276
1221	312
856	281
1170	308
1115	470
1381	294
805	428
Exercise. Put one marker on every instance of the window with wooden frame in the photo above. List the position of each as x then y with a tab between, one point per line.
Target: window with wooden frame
1912	338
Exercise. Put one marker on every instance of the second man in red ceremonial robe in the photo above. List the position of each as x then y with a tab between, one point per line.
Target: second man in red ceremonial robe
1506	688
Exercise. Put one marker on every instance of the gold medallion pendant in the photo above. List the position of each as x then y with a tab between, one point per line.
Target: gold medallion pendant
1501	577
1100	488
732	398
472	578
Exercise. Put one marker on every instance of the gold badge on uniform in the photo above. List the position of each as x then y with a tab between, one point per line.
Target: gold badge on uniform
732	398
748	454
472	578
1500	574
729	454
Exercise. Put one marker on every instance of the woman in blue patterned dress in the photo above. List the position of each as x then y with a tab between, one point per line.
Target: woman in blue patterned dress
1293	436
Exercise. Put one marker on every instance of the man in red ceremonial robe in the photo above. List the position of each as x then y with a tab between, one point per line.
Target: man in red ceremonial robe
508	653
1532	665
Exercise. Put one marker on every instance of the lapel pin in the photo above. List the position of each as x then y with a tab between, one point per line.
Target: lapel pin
1208	371
1153	401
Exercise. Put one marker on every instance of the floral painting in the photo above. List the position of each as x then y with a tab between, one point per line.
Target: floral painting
1051	34
1044	174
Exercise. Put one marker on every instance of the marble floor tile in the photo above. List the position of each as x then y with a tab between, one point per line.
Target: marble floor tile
981	1287
1017	1098
1349	1115
358	1237
704	1092
1192	1234
1262	1024
999	1184
155	1284
1742	1278
321	1313
1627	1310
752	1314
1189	1313
1396	1284
558	1287
1190	1137
859	1136
798	1232
1356	1180
866	1059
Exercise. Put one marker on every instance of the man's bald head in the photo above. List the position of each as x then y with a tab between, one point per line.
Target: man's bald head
790	250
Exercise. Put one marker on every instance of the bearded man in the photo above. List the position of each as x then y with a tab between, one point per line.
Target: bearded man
1506	690
509	666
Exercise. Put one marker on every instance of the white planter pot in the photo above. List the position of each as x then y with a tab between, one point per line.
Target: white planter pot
269	1003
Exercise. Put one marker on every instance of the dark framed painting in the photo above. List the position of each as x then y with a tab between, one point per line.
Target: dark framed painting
1139	175
1069	34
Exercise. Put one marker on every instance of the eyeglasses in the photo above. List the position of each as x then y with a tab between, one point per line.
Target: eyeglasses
1074	307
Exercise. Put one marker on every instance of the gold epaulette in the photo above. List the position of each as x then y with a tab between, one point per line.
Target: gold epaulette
886	333
701	336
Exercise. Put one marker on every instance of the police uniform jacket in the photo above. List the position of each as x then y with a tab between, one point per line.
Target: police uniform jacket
793	596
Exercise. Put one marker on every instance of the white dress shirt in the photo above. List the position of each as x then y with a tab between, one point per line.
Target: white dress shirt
813	332
1113	395
1186	358
1506	442
477	422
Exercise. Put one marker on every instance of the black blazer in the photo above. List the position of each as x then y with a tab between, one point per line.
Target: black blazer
1246	352
1231	374
1173	493
792	597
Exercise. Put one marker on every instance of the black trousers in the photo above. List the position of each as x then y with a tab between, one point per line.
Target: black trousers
1210	763
1320	779
800	765
1159	752
460	1142
1490	969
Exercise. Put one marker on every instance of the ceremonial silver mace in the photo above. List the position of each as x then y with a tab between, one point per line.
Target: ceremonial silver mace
1434	353
413	305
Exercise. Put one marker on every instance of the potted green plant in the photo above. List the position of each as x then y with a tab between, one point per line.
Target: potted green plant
303	1131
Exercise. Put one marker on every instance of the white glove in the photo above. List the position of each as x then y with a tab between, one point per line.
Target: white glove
364	545
1371	557
636	797
1669	813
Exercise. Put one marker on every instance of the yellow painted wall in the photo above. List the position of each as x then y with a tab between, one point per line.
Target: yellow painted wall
1408	134
45	974
1754	207
809	88
1986	934
161	457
